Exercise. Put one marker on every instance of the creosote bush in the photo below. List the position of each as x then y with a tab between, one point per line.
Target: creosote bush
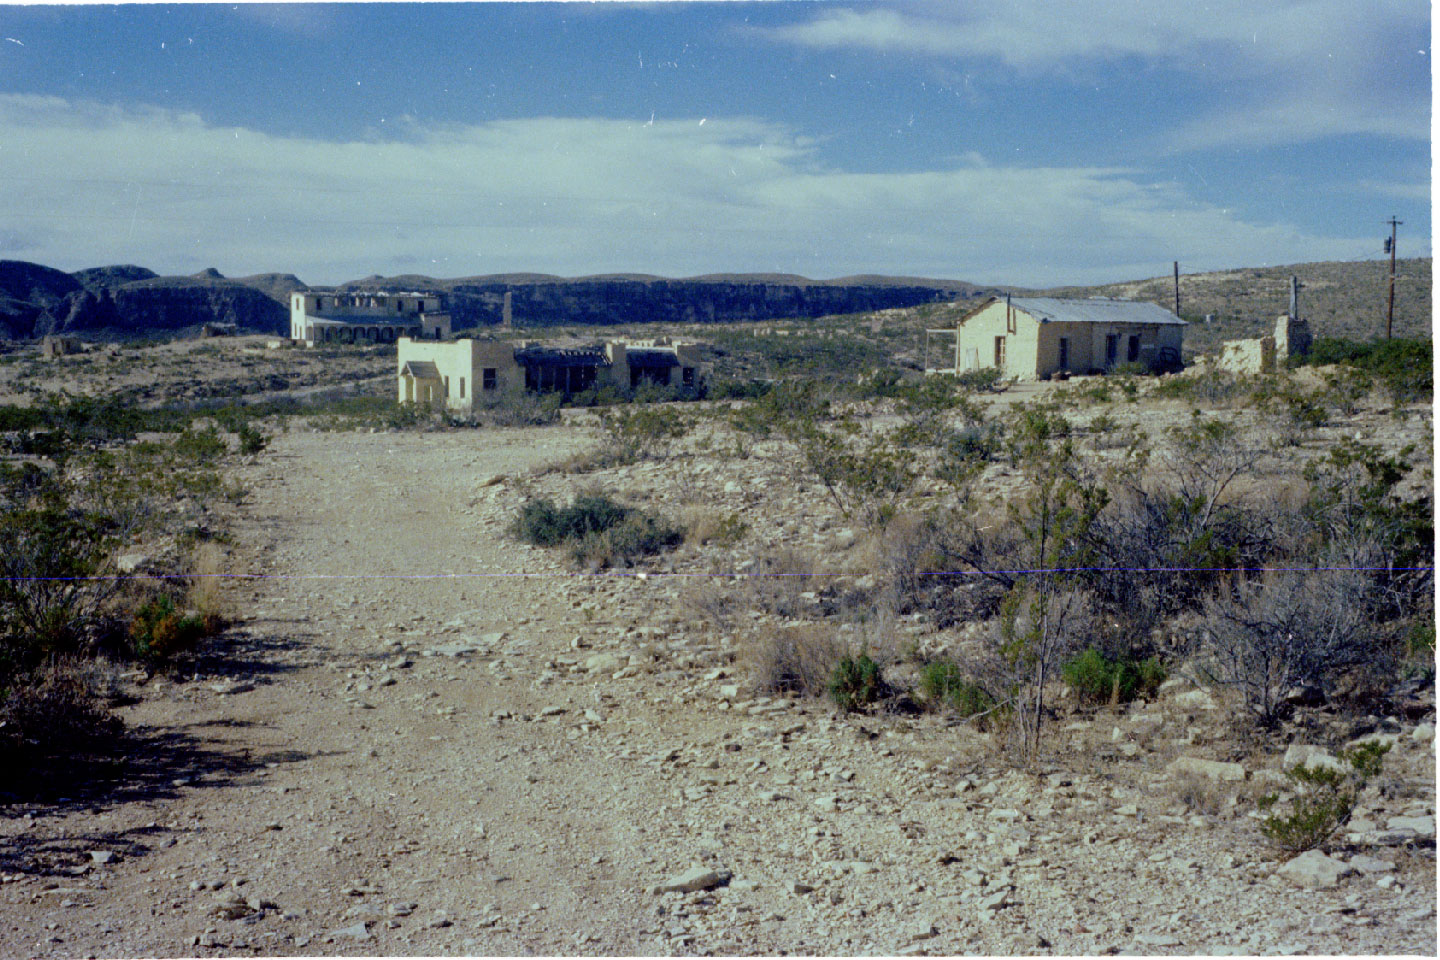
1099	679
943	683
856	682
1324	798
599	530
792	659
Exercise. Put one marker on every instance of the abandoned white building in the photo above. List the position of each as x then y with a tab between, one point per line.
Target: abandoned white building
1035	338
370	316
467	371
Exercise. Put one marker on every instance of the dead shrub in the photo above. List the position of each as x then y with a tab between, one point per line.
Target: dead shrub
1200	794
776	582
798	659
52	713
704	525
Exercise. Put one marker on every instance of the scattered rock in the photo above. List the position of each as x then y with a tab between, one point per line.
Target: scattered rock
1210	769
102	856
1368	864
1311	757
696	878
603	663
1314	870
356	931
1422	826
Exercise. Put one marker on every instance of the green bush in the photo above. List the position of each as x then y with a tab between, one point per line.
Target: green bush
158	631
252	441
1098	679
856	682
598	529
942	682
1324	798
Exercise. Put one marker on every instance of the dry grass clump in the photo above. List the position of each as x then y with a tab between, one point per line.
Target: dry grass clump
792	659
206	596
704	525
1200	794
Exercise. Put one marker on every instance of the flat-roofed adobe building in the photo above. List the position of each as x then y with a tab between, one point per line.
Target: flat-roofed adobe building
366	316
469	371
1035	338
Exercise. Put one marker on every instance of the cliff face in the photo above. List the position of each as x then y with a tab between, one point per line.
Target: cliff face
540	302
130	300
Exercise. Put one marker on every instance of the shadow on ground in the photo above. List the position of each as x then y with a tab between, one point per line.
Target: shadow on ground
146	765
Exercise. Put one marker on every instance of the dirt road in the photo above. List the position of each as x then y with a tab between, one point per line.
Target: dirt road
428	739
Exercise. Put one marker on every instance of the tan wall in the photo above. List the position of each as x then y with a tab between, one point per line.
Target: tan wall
1248	356
1021	347
462	367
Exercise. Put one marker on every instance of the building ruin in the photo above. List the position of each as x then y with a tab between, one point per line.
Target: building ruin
459	374
367	317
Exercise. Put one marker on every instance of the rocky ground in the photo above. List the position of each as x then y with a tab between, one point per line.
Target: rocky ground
427	739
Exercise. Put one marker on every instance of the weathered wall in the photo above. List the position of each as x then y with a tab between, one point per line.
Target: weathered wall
1247	356
1021	347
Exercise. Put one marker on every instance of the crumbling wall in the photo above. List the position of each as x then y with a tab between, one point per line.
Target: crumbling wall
1248	356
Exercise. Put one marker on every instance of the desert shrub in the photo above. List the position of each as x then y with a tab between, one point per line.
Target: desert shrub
598	529
1288	629
709	526
642	433
252	441
1402	367
159	631
943	682
637	535
794	659
1324	798
518	409
740	389
856	682
984	380
48	569
1098	679
50	713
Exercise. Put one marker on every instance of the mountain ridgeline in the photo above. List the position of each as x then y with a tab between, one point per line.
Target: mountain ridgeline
118	302
131	301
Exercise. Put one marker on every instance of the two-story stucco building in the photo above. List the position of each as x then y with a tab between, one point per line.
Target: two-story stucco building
369	316
1034	338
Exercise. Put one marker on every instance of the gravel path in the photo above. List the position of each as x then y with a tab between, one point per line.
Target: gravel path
426	739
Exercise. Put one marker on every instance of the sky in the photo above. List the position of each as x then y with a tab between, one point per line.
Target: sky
1017	142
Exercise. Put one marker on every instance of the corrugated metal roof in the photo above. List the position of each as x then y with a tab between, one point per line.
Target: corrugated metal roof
1095	310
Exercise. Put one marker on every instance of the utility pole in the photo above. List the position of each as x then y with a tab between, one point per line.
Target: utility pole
1295	286
1177	288
1390	310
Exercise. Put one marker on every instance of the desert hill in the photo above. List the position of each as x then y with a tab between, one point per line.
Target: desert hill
1341	298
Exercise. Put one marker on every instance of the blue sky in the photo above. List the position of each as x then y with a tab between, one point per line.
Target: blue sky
1009	142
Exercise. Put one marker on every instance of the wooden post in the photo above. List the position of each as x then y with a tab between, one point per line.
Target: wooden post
1177	288
1390	310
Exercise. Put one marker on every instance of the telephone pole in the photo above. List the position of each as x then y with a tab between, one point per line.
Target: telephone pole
1177	288
1390	310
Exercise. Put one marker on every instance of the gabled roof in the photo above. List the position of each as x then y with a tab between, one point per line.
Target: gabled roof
1090	310
421	370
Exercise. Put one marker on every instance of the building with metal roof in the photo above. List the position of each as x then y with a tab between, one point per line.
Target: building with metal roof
1036	338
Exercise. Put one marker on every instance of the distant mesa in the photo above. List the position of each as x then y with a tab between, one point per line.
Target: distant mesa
209	273
114	276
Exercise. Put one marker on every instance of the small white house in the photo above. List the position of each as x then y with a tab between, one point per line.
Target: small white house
1034	338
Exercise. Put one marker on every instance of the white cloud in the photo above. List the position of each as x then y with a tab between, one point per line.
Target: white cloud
91	185
1289	72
